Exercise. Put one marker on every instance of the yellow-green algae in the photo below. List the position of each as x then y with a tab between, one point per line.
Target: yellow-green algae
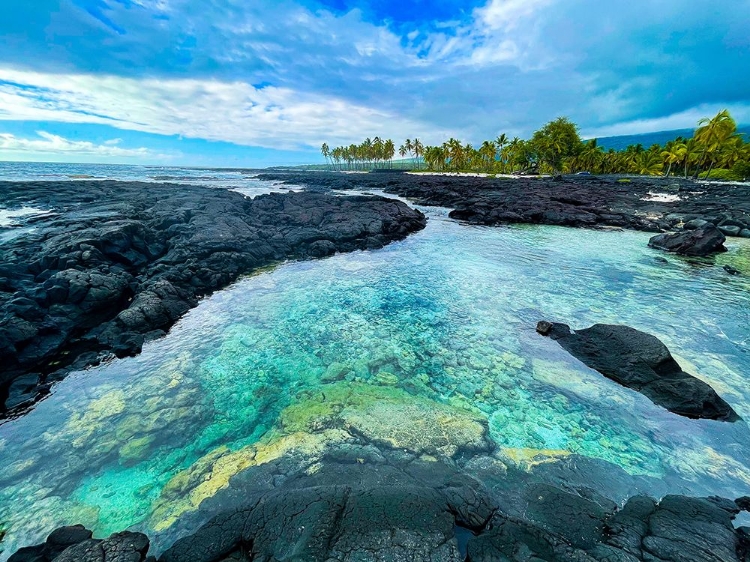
336	413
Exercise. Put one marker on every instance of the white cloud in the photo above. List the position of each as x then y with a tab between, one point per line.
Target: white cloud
48	143
683	120
207	109
509	14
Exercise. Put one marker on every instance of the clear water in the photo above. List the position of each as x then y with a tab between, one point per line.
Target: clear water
441	322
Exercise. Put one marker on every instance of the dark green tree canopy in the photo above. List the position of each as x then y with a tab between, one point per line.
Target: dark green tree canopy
555	142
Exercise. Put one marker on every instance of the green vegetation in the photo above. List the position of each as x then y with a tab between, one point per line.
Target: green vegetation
715	151
375	153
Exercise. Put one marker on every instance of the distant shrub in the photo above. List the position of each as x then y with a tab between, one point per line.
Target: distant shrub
741	170
721	174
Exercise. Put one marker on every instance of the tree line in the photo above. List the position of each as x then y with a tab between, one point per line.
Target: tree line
371	153
715	150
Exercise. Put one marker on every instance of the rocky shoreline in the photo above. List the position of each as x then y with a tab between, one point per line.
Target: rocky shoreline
362	502
650	204
114	264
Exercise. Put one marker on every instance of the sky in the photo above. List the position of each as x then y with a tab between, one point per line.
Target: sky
266	82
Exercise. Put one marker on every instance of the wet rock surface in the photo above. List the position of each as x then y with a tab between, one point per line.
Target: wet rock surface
702	241
640	361
364	503
114	264
75	544
650	204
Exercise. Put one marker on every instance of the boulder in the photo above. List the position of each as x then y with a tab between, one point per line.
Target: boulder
699	242
640	361
729	230
694	224
74	544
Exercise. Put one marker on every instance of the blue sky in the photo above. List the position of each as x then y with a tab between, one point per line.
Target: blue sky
265	82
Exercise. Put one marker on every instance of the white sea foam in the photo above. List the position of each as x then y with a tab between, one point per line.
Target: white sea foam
7	216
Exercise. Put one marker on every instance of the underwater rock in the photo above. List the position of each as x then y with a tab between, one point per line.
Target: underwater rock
211	473
390	416
342	413
640	361
702	241
119	262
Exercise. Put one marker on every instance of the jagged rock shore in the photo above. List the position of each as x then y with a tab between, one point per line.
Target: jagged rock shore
651	204
113	264
367	503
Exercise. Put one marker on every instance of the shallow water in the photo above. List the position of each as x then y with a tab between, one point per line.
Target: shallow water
445	317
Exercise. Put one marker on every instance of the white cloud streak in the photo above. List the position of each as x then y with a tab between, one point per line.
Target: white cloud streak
48	143
236	112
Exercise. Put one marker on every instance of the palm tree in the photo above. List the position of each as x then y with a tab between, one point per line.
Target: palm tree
650	163
488	153
673	153
325	151
692	154
590	158
500	143
712	133
402	151
418	149
389	149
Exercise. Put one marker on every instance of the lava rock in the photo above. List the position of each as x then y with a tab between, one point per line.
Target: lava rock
730	230
699	242
581	201
695	224
118	262
640	361
398	507
57	541
74	544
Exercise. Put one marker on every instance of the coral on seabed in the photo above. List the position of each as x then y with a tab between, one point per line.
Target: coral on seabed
335	413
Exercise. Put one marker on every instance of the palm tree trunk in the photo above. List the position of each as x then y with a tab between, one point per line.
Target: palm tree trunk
709	169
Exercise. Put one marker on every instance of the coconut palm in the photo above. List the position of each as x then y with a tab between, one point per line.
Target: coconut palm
500	143
418	149
488	152
673	153
650	163
712	134
389	149
402	151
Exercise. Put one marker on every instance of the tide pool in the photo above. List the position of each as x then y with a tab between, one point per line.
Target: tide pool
428	345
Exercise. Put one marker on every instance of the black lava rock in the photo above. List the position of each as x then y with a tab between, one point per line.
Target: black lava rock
115	263
702	241
641	362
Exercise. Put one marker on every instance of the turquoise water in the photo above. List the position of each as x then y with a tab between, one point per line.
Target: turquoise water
436	332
